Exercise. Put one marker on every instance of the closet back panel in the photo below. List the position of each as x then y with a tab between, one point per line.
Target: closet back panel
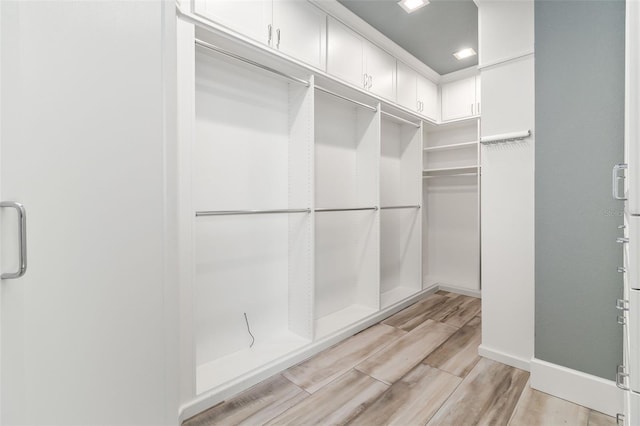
400	249
346	261
241	266
243	149
400	164
451	244
346	149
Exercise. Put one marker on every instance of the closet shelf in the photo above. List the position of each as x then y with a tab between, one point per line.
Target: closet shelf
452	146
452	170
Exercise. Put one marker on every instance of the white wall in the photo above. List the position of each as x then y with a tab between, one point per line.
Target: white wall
506	33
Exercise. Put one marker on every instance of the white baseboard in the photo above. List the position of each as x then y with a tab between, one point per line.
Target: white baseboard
580	388
504	358
459	290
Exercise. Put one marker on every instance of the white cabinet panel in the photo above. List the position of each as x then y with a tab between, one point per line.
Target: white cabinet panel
86	331
345	53
634	408
300	30
428	98
634	340
407	87
381	70
633	248
251	17
459	99
478	96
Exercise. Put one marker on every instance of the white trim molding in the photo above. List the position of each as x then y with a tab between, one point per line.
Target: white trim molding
575	386
504	358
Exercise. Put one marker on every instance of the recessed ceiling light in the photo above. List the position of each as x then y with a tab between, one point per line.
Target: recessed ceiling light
412	5
464	53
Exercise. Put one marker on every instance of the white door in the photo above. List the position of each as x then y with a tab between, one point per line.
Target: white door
251	18
406	87
632	105
459	99
634	340
300	31
345	54
84	331
381	70
428	97
478	109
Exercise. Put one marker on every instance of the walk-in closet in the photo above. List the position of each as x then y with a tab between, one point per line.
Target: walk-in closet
319	212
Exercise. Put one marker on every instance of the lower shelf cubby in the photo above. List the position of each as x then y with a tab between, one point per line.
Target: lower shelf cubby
400	254
252	293
346	269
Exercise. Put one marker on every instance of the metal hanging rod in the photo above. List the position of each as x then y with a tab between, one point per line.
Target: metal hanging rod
450	174
505	137
401	119
209	46
401	207
322	89
376	208
242	212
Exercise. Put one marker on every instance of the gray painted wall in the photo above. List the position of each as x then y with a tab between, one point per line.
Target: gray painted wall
579	125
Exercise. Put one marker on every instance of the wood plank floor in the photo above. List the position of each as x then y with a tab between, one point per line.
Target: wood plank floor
417	367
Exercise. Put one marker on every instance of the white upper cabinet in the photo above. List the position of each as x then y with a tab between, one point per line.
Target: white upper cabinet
459	99
300	31
296	28
345	54
416	92
380	70
427	97
250	18
407	87
355	60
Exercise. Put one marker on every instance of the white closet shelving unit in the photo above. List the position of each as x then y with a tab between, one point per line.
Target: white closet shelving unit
347	246
301	206
251	157
400	214
451	235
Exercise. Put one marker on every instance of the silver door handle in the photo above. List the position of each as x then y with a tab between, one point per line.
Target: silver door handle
370	81
22	243
269	34
366	80
616	178
278	38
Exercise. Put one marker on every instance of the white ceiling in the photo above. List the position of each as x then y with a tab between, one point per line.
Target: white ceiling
431	33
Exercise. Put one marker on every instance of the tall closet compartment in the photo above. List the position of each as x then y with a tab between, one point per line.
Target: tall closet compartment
347	244
253	229
400	214
451	237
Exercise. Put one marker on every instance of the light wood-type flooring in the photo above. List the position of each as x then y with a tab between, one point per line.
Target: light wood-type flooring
417	367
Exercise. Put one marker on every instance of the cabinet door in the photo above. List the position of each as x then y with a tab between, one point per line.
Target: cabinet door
300	30
85	331
250	18
458	99
478	110
344	53
428	96
633	320
381	69
406	87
